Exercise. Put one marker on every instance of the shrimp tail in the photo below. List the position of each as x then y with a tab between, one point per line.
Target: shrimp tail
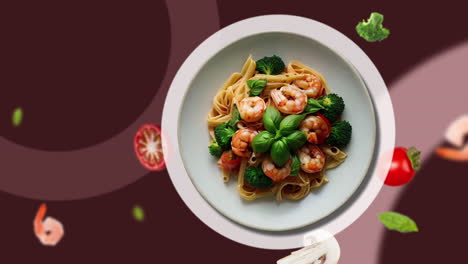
38	227
452	154
276	96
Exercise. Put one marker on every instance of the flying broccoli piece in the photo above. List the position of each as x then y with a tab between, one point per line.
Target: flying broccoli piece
270	65
340	134
255	177
215	149
333	106
223	134
372	30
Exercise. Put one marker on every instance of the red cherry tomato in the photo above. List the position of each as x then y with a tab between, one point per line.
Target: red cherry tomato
404	165
230	161
148	147
321	138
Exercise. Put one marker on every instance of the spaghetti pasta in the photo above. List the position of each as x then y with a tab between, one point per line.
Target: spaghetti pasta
236	89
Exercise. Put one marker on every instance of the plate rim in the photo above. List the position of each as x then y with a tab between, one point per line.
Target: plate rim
258	27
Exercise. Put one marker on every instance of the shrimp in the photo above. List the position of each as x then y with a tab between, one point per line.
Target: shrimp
316	129
276	173
251	108
311	84
242	142
289	99
49	231
312	158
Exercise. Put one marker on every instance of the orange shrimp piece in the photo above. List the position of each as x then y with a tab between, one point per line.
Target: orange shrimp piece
251	108
312	85
49	231
312	158
274	172
289	99
242	142
453	154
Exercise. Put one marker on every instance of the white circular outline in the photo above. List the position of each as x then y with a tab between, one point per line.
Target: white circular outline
230	34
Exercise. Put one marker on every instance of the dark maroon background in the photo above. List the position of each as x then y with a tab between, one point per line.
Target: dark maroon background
84	70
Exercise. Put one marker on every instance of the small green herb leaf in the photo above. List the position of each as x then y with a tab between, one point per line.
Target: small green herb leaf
271	119
256	86
138	213
296	139
17	116
295	166
398	222
234	118
279	152
262	142
313	106
290	123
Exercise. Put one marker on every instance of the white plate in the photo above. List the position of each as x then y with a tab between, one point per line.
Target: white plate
189	100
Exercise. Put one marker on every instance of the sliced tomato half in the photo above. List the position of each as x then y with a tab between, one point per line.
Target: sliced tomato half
325	134
148	147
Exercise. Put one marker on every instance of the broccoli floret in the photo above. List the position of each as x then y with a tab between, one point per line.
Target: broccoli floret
340	134
223	134
333	106
255	177
270	65
372	30
215	149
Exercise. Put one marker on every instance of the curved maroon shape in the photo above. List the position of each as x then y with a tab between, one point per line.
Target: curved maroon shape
79	78
86	76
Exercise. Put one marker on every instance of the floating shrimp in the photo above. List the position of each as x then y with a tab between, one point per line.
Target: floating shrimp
312	158
289	99
316	128
49	231
453	153
456	134
242	142
276	173
311	84
251	108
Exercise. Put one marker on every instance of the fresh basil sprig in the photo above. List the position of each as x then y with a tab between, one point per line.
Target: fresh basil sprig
234	118
290	124
281	135
271	119
295	166
256	86
313	106
263	141
280	152
296	139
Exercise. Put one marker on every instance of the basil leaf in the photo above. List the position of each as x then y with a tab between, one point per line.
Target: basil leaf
262	142
279	152
256	86
138	213
290	123
398	222
295	166
296	139
313	106
234	118
17	117
271	119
